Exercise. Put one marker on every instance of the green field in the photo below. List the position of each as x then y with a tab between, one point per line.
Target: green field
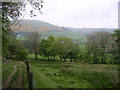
75	36
73	75
57	74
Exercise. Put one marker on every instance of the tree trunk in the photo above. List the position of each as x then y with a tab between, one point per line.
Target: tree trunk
73	60
35	55
54	57
102	60
102	57
64	60
116	62
48	58
60	58
70	59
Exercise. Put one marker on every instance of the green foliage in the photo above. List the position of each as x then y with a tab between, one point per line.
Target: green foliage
46	48
21	54
66	48
116	47
74	52
86	57
98	44
9	9
62	47
43	48
116	35
13	10
16	50
77	37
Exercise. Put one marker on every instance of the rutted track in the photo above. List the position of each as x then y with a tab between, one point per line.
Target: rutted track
8	80
19	79
15	78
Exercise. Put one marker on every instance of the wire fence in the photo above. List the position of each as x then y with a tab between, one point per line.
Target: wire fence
31	79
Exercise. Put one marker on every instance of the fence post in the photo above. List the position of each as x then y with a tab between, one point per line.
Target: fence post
31	81
28	69
29	75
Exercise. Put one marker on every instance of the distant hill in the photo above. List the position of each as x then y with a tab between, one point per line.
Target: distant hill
45	29
35	25
41	26
89	30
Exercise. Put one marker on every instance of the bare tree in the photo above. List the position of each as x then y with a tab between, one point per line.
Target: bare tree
33	40
116	46
98	44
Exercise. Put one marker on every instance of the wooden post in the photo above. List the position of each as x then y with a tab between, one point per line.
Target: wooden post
30	75
31	81
28	69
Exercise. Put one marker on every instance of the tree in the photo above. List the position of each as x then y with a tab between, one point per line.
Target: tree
98	44
14	11
116	47
51	51
73	52
43	48
9	9
16	50
65	48
46	47
33	40
62	47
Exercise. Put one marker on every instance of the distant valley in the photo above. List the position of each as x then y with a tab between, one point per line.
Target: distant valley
41	26
46	29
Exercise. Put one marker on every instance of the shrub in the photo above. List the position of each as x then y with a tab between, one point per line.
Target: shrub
21	54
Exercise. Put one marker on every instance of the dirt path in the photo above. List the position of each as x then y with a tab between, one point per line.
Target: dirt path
1	69
19	80
7	82
4	69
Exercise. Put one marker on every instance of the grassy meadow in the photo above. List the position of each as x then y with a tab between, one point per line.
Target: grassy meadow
57	74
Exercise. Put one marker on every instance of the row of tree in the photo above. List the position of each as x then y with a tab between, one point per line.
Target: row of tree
51	47
101	47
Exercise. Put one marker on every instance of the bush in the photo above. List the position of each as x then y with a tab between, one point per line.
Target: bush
16	50
21	54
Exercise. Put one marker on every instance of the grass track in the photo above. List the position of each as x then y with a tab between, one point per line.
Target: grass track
42	81
8	69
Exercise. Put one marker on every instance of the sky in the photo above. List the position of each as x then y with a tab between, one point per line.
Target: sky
79	13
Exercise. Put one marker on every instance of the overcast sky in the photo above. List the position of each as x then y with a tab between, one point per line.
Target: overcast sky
79	13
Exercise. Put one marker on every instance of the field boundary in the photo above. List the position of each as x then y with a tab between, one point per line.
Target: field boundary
29	75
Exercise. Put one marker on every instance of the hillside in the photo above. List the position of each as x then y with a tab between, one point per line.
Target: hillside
35	25
41	26
89	30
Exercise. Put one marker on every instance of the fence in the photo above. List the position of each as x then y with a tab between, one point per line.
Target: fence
29	75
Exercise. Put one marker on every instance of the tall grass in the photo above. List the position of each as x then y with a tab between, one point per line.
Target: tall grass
75	75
